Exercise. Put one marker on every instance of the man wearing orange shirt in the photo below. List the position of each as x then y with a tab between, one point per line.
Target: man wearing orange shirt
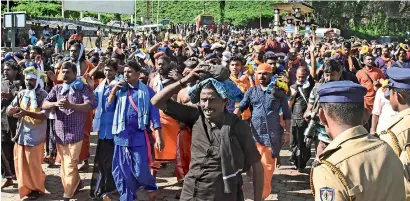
242	79
370	77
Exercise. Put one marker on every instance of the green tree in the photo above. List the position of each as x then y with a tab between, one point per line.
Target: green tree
222	10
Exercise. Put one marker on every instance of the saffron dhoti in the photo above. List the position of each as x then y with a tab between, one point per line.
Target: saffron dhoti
85	147
170	129
183	152
29	173
69	156
269	164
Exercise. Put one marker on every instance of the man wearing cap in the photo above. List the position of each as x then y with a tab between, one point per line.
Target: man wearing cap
32	128
266	103
355	165
133	47
397	134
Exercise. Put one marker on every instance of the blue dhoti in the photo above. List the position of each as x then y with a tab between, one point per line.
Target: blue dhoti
131	171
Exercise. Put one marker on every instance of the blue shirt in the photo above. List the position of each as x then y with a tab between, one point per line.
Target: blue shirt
105	131
59	41
265	120
400	64
33	40
132	136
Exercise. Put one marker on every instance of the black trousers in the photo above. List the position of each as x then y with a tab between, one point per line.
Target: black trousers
300	153
102	180
7	147
51	149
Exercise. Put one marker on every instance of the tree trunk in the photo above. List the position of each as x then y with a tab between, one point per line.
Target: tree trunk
222	11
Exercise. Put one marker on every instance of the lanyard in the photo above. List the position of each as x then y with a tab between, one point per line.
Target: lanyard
145	130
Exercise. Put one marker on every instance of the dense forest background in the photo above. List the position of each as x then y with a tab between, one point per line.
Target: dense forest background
359	18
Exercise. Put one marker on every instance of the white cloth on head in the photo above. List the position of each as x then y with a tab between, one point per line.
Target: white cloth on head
30	95
78	60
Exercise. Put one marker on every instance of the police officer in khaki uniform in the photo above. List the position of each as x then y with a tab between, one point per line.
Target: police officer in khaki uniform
397	134
355	165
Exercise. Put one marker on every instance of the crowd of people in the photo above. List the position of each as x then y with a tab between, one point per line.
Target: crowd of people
218	107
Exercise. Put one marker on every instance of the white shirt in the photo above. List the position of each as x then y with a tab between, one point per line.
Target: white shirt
46	34
382	108
40	43
31	33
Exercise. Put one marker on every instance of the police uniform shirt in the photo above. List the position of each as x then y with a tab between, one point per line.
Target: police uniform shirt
355	165
369	166
397	134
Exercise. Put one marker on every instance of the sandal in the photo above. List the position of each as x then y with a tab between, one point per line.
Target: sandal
49	160
34	195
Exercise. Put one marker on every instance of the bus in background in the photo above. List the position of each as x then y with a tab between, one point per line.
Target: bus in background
205	20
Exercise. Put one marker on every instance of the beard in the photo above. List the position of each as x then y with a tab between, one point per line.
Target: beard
30	86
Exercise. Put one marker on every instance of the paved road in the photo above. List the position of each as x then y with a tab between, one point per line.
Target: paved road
287	184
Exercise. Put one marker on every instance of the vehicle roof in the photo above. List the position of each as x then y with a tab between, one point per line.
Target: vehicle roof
150	26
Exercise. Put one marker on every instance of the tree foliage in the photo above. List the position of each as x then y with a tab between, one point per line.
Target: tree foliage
369	18
361	18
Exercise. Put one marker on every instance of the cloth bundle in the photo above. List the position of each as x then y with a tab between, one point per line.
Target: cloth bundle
217	72
226	89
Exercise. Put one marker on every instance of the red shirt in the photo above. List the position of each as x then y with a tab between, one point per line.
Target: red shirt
374	73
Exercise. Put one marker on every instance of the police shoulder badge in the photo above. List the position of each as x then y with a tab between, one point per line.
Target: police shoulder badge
327	194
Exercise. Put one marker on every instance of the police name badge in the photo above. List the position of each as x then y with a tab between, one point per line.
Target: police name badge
327	194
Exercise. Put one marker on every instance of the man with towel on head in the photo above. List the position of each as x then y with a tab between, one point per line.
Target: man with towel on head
31	134
221	141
